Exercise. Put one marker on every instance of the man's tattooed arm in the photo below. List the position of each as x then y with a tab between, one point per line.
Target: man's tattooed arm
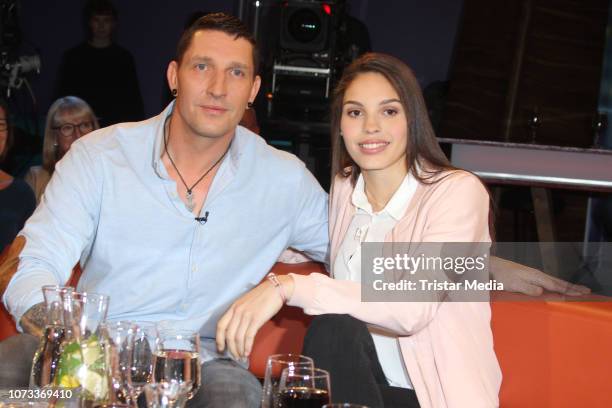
33	321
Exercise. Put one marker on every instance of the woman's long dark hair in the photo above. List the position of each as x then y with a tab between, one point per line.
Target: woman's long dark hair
422	146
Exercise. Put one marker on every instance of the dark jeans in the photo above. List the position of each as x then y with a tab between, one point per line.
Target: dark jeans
16	354
226	384
343	346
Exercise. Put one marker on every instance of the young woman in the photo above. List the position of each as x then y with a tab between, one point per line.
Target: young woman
68	119
392	183
16	199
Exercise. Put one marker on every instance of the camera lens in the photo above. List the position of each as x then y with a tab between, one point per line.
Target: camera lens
304	25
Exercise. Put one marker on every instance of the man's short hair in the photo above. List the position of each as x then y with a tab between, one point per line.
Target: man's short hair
225	23
99	8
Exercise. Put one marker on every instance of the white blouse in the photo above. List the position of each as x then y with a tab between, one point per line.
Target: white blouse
370	226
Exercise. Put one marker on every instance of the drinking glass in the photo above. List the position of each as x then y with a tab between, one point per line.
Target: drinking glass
177	358
303	387
145	344
274	367
46	357
171	394
119	357
82	362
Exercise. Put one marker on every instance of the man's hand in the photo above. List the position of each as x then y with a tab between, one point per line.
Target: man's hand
530	281
33	321
239	325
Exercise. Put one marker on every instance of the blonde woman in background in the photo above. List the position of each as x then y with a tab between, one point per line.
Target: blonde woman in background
68	119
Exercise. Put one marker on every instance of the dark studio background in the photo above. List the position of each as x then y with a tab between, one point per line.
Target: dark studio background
420	33
439	39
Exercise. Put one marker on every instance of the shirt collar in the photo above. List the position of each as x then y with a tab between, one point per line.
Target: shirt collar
397	205
158	147
234	153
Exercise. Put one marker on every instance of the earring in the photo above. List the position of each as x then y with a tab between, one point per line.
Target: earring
249	105
174	92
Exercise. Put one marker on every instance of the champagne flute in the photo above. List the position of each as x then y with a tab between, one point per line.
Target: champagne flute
275	365
145	345
303	387
177	358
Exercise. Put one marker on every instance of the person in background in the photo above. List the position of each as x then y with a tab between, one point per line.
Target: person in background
100	71
17	201
68	119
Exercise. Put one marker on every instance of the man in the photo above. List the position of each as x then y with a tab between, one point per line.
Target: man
100	71
177	216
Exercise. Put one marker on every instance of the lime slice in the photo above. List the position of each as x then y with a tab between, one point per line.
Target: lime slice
94	384
91	352
69	381
72	348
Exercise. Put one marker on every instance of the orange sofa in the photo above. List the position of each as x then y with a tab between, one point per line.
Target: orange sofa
552	353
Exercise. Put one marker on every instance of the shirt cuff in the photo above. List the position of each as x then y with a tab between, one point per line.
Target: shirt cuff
18	301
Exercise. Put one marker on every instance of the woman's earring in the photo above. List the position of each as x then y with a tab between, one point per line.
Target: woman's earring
174	92
249	105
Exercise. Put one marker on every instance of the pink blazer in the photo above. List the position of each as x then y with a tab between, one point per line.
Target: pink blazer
447	347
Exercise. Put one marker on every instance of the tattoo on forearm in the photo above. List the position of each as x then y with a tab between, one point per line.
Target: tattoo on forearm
33	321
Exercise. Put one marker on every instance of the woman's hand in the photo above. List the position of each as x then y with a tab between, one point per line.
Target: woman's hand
238	326
530	281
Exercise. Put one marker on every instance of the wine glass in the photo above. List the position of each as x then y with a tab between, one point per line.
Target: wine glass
145	345
120	349
177	358
274	367
303	387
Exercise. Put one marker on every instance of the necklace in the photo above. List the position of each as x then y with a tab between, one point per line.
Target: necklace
189	195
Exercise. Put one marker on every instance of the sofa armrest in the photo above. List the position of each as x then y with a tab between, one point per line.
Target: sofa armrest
553	353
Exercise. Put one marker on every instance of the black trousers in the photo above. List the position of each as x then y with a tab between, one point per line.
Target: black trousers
343	346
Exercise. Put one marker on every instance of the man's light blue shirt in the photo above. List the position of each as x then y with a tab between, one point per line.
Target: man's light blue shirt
112	205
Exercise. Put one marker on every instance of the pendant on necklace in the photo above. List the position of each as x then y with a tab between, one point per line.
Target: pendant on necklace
190	204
